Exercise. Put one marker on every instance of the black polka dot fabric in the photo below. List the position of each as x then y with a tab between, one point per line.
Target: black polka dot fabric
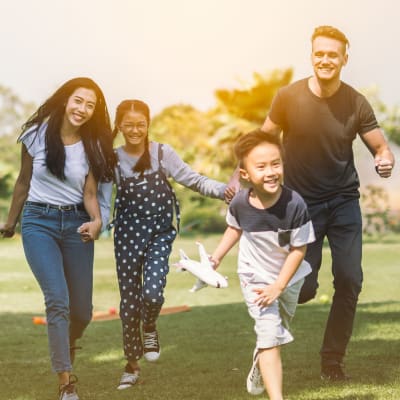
143	238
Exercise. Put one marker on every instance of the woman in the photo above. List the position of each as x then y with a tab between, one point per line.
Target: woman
66	151
144	231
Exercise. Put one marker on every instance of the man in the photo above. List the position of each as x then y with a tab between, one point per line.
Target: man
320	117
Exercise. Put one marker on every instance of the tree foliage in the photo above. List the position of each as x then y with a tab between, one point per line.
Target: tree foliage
13	113
375	205
252	102
204	139
388	117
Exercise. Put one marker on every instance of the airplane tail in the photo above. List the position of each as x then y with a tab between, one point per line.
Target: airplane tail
204	260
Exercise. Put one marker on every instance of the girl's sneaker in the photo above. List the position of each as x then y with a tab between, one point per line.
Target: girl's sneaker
129	378
68	391
151	344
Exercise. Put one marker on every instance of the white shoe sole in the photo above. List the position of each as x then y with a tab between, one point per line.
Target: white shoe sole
127	381
152	356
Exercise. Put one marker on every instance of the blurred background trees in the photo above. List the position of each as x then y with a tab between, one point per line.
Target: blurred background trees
205	139
13	113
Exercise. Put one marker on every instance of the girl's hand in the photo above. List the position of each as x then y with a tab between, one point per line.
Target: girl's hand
230	191
90	231
267	295
7	231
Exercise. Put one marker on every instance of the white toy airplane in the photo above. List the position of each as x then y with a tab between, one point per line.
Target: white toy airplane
203	270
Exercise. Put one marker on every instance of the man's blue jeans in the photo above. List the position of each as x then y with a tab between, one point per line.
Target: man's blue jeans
63	266
339	220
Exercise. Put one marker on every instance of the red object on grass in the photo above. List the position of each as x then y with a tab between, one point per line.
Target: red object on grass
113	314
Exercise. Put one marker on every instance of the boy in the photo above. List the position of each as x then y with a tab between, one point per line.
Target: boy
274	228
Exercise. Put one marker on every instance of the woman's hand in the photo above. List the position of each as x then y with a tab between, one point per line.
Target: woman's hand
90	231
7	231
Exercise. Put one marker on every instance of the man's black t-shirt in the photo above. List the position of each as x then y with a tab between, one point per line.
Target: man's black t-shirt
317	136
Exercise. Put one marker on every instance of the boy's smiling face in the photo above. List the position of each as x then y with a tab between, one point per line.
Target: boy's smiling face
263	169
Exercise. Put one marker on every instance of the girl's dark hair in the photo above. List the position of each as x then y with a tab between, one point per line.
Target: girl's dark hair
141	107
96	133
247	142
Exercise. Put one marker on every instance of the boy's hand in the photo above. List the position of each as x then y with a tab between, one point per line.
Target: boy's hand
214	262
267	295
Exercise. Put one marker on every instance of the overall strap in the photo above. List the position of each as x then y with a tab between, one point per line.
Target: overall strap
118	175
174	198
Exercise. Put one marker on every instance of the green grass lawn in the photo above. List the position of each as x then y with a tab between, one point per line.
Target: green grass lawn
206	352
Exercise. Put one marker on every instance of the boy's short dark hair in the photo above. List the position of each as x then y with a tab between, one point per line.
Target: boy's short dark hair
330	32
247	142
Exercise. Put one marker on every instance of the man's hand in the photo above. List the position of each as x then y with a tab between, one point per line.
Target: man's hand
383	167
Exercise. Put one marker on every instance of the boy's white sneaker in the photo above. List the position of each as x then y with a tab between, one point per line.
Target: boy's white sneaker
254	381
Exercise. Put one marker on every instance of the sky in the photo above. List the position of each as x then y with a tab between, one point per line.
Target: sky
180	51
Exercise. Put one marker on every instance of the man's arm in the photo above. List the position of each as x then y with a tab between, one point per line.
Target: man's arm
379	148
270	127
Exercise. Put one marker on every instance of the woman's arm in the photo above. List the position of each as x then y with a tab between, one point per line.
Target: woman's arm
104	197
20	193
91	230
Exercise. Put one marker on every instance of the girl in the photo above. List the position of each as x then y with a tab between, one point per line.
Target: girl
144	230
66	150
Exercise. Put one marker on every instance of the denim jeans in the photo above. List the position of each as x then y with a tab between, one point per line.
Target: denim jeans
339	220
63	266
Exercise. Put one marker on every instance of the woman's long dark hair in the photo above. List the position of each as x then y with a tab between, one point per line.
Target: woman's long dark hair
96	133
141	107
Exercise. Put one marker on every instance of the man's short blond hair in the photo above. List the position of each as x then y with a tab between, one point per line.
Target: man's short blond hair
330	32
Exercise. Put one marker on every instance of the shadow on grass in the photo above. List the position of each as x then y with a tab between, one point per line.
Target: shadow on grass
206	354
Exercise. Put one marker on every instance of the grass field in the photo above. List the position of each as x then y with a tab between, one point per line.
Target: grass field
206	352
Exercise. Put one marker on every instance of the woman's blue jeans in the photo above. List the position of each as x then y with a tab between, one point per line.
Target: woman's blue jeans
63	266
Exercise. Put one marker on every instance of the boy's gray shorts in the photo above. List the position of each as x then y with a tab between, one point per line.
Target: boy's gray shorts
271	322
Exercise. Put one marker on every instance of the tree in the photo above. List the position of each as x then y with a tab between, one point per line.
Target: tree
13	113
375	206
252	102
388	117
205	139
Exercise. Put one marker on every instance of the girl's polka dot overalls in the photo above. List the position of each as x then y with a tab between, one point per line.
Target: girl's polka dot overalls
143	238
